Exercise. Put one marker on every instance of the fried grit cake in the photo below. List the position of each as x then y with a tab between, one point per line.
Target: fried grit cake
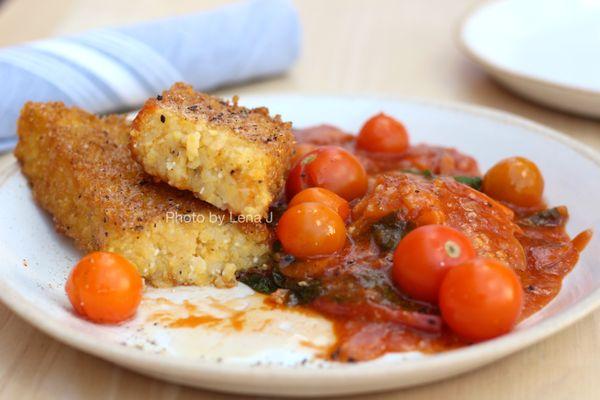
230	156
81	171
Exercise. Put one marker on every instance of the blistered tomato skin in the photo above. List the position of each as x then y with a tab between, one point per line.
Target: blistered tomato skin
383	134
105	288
323	196
310	230
481	299
331	168
425	255
515	180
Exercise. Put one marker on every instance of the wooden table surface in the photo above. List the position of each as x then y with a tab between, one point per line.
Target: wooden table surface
397	47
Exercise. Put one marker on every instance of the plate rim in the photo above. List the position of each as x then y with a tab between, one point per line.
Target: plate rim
497	69
373	378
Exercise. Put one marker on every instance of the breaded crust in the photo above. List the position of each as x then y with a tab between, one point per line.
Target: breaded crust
81	171
230	156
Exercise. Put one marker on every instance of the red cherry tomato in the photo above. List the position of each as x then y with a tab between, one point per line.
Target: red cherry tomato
105	288
311	229
423	257
329	167
323	196
516	180
383	134
481	299
300	150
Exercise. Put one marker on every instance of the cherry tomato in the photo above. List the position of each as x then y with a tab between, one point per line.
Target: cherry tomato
423	257
329	167
481	299
300	150
383	134
515	180
323	196
311	229
105	288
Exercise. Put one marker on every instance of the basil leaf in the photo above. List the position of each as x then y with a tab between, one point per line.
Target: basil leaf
388	231
425	173
259	280
473	181
550	218
268	281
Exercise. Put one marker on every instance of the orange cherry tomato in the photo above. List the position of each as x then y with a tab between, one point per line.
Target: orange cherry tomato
481	299
323	196
105	288
383	134
515	180
423	257
311	229
300	150
329	167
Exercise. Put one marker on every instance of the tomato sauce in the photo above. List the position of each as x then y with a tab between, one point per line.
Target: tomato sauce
437	159
371	316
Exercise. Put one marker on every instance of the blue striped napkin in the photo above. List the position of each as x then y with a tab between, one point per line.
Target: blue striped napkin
111	70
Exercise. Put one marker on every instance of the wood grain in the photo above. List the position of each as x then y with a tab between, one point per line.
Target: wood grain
393	47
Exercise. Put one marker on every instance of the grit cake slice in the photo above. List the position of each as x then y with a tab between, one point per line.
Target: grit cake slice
232	157
81	171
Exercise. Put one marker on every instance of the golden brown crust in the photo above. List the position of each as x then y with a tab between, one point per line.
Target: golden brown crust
254	125
263	134
81	170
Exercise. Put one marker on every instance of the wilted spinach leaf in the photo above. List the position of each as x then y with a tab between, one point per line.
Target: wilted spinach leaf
473	181
550	218
303	292
388	231
260	280
425	173
268	281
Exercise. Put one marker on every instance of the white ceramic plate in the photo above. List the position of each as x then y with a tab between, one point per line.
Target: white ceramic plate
275	351
546	50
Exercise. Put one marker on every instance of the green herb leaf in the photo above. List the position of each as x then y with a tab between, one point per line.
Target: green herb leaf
277	247
474	181
268	281
304	292
260	280
388	231
550	218
425	173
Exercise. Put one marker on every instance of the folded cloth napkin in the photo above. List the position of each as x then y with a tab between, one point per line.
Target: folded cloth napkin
110	70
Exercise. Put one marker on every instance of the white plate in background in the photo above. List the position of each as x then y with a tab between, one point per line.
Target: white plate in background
545	50
35	262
